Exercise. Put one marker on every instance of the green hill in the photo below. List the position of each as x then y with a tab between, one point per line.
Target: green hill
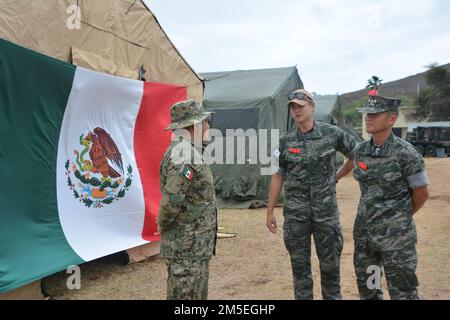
406	87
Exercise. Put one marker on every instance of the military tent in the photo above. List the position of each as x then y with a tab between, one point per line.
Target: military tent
247	99
120	37
325	105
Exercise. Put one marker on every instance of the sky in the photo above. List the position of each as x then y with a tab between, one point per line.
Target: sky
336	45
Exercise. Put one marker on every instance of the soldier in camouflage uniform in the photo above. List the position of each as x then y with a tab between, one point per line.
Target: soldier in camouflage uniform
307	167
393	184
188	210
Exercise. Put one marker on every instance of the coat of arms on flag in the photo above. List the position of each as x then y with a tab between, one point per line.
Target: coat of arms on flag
97	182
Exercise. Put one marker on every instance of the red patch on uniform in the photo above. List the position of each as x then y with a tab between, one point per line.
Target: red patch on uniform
362	165
294	150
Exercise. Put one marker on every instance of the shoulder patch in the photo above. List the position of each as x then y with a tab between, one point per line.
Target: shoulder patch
276	152
187	172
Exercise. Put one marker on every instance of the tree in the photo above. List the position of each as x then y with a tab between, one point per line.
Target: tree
434	102
374	83
424	99
352	114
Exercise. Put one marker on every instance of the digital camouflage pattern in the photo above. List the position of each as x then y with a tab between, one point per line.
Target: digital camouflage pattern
308	163
399	266
188	279
384	229
188	209
186	113
377	104
187	213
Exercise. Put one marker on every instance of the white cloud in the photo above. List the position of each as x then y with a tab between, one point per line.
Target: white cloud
336	45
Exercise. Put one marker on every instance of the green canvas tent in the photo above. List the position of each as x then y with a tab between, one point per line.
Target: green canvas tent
325	105
248	99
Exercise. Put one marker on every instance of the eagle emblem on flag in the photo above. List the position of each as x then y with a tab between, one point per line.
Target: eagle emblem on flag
96	176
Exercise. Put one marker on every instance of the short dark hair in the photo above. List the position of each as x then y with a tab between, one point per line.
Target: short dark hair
390	113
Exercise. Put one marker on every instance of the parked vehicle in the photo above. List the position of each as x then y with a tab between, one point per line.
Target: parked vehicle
429	140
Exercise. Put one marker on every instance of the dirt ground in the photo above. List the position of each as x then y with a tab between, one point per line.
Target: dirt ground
255	264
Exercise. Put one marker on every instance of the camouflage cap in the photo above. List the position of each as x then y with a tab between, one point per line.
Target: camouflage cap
186	113
377	104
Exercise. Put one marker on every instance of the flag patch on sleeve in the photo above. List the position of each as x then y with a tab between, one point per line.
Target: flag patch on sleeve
188	173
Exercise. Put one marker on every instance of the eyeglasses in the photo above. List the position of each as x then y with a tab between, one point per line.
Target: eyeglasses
298	96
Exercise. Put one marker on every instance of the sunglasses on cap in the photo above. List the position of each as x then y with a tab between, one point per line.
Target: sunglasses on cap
298	96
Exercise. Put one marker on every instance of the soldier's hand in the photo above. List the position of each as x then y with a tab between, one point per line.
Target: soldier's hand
271	223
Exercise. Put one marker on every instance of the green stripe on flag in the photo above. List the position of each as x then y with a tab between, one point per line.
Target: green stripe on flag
34	90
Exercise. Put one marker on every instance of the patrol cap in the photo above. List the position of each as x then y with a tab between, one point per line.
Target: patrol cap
301	97
377	104
186	113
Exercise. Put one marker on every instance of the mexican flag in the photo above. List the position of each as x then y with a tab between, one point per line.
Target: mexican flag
79	163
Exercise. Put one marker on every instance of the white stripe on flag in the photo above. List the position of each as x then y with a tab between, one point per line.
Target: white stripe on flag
111	103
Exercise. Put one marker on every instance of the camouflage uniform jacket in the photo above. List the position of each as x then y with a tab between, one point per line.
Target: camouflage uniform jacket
188	209
386	176
308	162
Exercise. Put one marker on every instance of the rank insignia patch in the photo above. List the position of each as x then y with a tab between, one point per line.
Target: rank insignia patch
362	165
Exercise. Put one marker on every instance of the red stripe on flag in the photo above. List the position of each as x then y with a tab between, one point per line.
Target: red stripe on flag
150	143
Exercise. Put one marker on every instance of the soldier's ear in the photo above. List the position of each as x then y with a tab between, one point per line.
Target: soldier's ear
392	117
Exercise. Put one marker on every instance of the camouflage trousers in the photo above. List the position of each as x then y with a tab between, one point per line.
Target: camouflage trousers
399	267
328	241
187	279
